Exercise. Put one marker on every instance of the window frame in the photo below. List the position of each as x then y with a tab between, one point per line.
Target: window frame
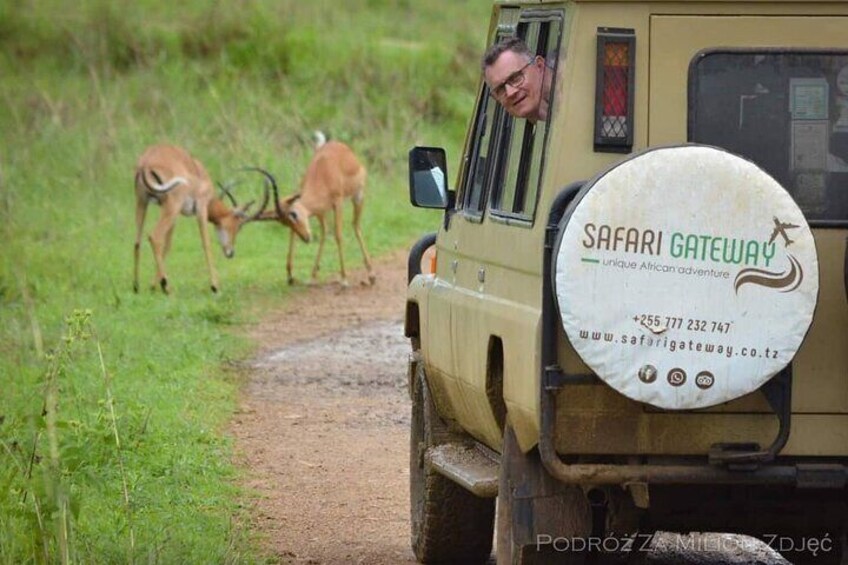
475	214
501	126
543	16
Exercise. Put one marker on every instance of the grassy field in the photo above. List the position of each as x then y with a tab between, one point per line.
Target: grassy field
113	404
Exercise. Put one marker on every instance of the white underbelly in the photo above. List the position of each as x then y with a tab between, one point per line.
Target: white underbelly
189	207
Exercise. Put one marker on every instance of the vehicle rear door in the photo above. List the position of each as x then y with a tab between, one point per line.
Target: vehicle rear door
722	80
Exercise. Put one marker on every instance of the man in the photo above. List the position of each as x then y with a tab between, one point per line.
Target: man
519	80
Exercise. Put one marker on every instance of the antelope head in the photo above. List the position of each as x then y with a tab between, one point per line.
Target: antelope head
289	211
295	215
229	222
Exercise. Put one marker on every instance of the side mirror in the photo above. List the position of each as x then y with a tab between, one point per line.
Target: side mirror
428	177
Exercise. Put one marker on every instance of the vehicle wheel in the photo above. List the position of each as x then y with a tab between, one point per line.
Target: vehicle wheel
449	523
540	520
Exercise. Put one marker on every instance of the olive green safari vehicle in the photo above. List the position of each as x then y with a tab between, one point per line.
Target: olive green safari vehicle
636	319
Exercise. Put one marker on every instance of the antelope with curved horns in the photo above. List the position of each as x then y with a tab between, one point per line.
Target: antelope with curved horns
171	177
333	175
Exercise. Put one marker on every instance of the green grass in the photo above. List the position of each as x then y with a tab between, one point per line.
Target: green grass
123	458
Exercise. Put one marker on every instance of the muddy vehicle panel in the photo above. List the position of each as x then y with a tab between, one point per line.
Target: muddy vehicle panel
645	292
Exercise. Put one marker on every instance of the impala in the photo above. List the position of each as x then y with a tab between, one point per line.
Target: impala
333	175
169	176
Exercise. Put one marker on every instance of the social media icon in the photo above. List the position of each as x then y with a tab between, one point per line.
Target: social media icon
648	374
676	377
704	380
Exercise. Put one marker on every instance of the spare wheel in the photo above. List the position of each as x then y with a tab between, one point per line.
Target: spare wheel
685	276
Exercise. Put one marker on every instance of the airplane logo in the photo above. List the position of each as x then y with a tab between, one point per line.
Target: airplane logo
780	228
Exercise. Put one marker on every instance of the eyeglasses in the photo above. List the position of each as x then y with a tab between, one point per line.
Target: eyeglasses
514	80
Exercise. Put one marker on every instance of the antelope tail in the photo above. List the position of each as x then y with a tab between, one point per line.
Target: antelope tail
156	184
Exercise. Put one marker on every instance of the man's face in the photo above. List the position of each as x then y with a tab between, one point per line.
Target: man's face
523	100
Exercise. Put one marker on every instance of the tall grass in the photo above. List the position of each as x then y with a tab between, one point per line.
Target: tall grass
111	441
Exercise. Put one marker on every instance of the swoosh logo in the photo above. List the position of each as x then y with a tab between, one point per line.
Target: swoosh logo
785	281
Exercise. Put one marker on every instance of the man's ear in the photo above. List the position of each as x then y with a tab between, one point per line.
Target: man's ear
486	79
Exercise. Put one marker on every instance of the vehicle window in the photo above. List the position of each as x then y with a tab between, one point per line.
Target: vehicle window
505	159
477	173
786	111
515	192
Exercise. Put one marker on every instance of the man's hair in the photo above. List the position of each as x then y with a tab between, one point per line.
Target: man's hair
512	43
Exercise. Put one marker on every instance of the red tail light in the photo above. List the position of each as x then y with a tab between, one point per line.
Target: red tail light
614	90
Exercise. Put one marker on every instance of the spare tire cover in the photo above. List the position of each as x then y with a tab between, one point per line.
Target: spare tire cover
685	276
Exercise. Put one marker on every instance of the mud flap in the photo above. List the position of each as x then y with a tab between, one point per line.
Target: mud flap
539	517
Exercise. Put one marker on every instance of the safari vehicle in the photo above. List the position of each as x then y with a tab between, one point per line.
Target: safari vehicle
637	317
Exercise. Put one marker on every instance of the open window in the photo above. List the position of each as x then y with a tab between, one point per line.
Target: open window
786	110
477	172
521	152
505	160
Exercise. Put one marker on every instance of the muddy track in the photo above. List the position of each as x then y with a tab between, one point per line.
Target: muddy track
323	424
323	433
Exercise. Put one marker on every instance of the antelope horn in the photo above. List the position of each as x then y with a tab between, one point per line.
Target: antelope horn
269	178
265	197
225	189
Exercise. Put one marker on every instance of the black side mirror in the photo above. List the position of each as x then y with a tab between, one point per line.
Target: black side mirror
428	177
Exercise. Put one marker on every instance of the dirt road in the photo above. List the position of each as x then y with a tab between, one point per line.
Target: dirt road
323	431
323	425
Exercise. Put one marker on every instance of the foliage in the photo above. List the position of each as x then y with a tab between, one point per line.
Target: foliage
113	444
